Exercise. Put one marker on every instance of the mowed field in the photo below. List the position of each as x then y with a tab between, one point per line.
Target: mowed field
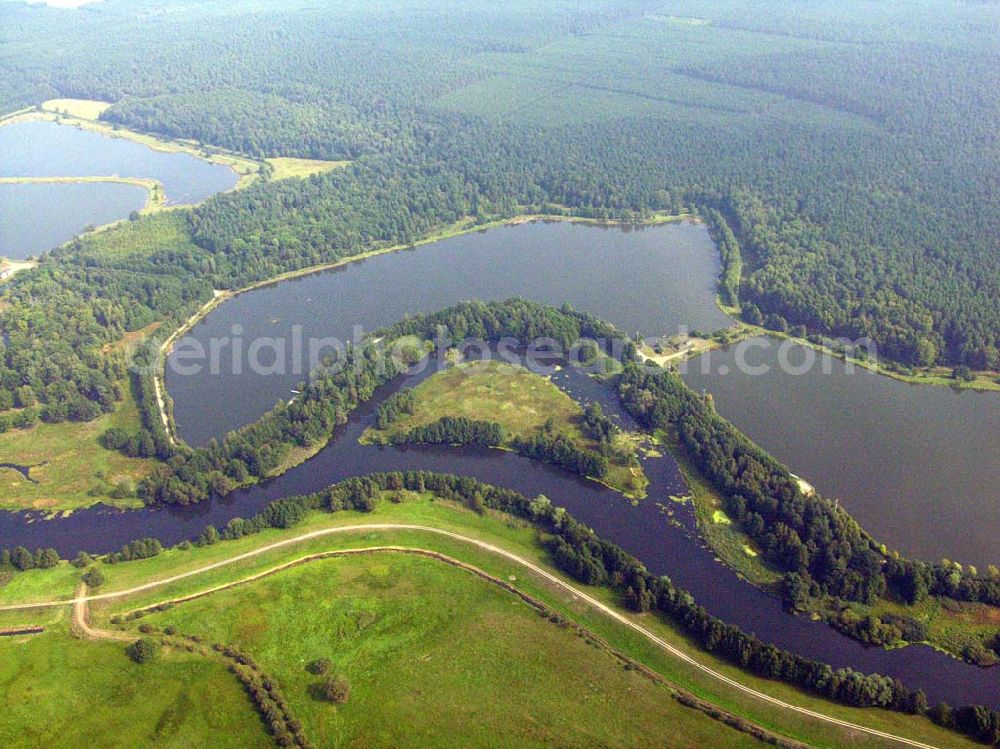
87	109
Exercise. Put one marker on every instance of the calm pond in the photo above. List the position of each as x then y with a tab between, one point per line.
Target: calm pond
650	280
918	466
38	148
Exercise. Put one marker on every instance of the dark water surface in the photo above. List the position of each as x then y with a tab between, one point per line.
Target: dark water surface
665	544
591	268
918	466
649	280
37	217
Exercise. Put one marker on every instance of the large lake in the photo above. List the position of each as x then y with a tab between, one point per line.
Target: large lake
650	280
38	148
918	466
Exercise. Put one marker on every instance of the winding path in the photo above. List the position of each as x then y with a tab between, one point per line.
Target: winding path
80	600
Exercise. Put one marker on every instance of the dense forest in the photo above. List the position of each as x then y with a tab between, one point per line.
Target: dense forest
851	150
845	155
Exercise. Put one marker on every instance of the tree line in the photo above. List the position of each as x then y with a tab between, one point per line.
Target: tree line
453	430
578	551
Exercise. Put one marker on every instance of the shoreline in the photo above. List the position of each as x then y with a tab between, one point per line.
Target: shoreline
156	199
247	170
925	377
457	229
463	227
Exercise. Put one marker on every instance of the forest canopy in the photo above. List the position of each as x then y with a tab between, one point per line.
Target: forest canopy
850	149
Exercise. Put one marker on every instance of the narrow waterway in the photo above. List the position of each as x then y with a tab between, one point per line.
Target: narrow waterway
666	543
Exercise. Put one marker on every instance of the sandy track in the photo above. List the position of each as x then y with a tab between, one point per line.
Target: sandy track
81	600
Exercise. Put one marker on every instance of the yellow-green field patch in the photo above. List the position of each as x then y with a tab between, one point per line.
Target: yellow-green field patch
61	691
284	167
87	109
522	402
72	469
718	516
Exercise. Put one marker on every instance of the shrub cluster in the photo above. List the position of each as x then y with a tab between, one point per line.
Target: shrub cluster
560	450
402	402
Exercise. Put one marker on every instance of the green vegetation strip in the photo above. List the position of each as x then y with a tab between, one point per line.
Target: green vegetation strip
535	603
535	569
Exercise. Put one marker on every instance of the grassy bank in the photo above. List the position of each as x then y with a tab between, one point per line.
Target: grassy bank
86	109
72	469
725	538
936	376
953	627
269	615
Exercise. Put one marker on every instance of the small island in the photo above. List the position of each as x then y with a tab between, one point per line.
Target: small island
496	404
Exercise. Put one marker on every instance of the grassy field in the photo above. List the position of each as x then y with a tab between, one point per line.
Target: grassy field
437	657
284	167
520	401
76	470
63	692
87	109
497	529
